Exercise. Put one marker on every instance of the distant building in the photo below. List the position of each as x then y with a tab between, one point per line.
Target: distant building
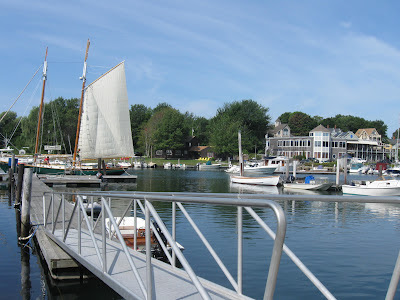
191	150
325	144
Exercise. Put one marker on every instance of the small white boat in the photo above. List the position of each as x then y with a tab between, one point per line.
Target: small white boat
265	180
379	187
209	166
307	186
309	183
127	229
253	168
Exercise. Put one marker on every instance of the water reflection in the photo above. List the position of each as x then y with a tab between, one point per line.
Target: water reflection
326	236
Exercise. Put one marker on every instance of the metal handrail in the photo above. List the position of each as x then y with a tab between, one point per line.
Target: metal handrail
277	250
194	198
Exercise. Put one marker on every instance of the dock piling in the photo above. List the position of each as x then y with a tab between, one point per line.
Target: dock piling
26	202
20	178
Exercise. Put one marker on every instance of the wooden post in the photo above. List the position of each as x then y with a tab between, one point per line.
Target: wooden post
287	169
294	168
104	167
241	166
25	274
345	170
21	169
11	177
337	172
99	165
26	203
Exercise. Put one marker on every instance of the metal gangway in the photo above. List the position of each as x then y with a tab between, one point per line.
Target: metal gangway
135	275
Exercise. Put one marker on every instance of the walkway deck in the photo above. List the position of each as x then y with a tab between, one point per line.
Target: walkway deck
60	264
169	282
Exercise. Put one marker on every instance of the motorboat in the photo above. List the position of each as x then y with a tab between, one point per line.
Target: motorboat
209	166
380	187
358	168
308	183
264	180
127	229
279	162
252	168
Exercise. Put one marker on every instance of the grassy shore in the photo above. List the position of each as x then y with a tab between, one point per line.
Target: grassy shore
189	162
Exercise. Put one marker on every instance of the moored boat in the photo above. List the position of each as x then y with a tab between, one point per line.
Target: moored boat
264	180
127	229
308	183
379	187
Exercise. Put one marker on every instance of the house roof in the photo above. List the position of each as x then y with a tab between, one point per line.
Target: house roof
278	128
198	148
369	131
320	128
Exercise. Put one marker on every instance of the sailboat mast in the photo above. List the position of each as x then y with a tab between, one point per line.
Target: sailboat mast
41	105
80	106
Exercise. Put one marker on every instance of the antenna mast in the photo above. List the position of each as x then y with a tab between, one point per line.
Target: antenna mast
41	106
83	78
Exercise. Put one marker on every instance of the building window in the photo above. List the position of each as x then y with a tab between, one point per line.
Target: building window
159	152
317	143
169	152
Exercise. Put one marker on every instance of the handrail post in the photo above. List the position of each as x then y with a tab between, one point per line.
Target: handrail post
63	213
103	233
44	210
52	211
79	225
91	210
240	249
394	280
149	274
173	232
135	225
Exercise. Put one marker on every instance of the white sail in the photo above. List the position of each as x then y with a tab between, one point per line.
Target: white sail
105	125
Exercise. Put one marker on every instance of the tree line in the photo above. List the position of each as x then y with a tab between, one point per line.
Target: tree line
166	128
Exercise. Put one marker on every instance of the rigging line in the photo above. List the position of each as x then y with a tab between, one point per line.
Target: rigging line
26	109
21	93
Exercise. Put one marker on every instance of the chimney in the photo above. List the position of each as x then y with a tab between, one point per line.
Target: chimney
327	126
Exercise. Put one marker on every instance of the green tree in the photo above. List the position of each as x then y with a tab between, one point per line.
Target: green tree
139	115
246	115
170	134
300	123
9	129
284	118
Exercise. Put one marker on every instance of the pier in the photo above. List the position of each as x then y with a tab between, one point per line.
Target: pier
133	274
68	244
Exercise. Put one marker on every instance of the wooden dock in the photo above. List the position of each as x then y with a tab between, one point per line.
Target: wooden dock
71	180
119	178
60	264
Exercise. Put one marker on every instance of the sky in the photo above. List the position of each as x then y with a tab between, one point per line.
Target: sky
319	57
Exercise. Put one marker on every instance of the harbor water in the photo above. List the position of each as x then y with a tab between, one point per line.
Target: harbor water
350	247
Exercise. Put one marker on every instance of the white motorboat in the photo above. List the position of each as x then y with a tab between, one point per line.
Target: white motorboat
309	183
379	187
307	186
265	180
127	229
209	166
252	168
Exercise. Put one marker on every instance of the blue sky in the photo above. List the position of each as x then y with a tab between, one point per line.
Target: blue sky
319	57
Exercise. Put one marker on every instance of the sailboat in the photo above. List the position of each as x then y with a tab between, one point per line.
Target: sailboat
259	180
104	129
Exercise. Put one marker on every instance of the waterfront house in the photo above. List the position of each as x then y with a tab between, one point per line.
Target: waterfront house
324	143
